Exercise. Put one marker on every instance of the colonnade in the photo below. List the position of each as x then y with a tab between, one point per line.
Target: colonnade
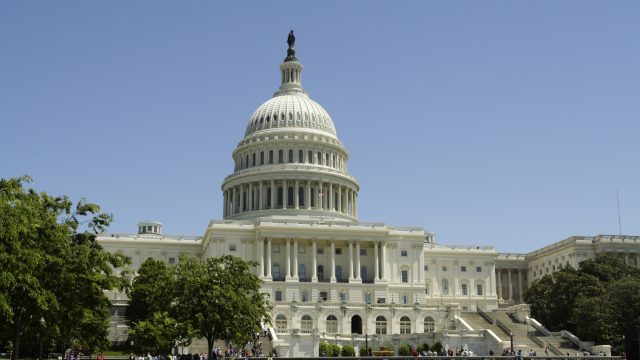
291	264
510	284
290	194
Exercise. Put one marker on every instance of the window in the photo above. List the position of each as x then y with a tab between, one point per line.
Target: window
363	272
463	268
319	250
367	298
405	299
275	271
479	289
310	157
445	287
323	296
172	260
444	267
290	155
261	157
319	158
426	289
381	300
275	249
320	272
332	324
270	156
302	271
306	324
278	295
405	325
465	290
381	325
343	296
338	251
300	156
363	252
301	250
429	324
253	159
232	247
478	268
405	276
338	272
281	323
426	268
280	156
304	296
403	252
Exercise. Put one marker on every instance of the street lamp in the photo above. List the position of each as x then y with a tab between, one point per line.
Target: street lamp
511	337
42	322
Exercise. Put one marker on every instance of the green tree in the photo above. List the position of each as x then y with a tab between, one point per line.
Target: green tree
156	334
220	299
404	350
151	291
52	268
347	350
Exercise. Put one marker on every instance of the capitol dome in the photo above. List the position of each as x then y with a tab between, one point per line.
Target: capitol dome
290	161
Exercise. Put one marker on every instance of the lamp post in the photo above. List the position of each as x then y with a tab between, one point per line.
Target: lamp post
366	343
511	337
42	322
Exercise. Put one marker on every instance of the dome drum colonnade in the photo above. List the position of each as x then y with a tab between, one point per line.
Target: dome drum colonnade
290	161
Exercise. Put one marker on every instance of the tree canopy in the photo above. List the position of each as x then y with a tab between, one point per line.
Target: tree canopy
600	301
53	273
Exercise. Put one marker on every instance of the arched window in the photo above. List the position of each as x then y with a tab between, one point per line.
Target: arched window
301	271
306	324
310	157
275	271
301	196
290	198
290	155
253	159
270	156
300	156
280	156
381	325
319	158
445	287
429	324
281	323
405	325
261	157
326	159
338	272
332	324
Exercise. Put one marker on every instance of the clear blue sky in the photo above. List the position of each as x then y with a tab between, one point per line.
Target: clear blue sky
500	123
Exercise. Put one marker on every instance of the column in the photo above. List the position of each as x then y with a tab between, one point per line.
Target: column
295	259
260	254
285	194
333	261
296	195
330	200
250	194
314	263
499	283
355	204
383	262
232	207
358	275
224	204
288	274
269	259
376	271
340	198
510	285
261	196
273	194
307	201
241	207
350	260
520	286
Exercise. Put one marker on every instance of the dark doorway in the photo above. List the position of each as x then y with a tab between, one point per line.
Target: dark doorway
356	325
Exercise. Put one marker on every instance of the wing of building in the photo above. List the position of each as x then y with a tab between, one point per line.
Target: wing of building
291	205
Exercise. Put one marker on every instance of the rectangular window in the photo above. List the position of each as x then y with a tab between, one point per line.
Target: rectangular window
405	276
343	296
172	260
232	247
320	250
464	289
405	299
301	250
270	156
426	290
478	269
323	296
275	249
280	156
278	295
338	251
304	296
261	157
479	289
403	252
426	268
367	298
381	300
363	252
463	268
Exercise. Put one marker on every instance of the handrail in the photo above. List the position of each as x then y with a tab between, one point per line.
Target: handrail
574	339
504	327
486	316
554	349
538	326
535	339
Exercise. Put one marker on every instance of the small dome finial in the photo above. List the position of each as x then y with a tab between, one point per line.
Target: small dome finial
291	51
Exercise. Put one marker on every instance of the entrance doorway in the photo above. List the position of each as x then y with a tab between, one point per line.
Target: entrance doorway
356	325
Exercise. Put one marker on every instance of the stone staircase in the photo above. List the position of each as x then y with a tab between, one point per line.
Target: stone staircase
521	332
477	322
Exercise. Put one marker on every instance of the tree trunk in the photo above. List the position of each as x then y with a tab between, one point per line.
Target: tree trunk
17	321
210	348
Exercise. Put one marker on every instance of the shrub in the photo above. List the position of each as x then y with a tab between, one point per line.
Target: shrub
335	350
365	352
423	347
348	350
437	347
325	349
404	350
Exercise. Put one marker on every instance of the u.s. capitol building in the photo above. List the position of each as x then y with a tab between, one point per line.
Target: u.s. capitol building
291	205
